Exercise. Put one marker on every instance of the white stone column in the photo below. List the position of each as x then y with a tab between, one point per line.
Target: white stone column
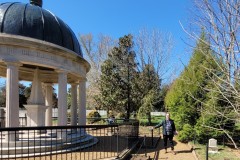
36	108
48	103
82	103
62	98
12	99
74	104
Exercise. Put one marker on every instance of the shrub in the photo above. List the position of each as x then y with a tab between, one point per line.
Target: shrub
93	117
121	115
204	133
186	134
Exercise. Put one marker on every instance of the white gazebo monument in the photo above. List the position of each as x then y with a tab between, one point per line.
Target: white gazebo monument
37	46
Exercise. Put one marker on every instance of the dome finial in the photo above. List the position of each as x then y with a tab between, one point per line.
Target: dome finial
36	2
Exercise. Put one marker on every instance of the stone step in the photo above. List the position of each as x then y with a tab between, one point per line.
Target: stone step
45	148
41	140
71	149
35	133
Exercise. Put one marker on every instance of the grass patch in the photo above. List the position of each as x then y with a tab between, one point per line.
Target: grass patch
225	153
155	120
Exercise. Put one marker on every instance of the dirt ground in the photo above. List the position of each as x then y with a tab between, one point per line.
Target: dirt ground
183	152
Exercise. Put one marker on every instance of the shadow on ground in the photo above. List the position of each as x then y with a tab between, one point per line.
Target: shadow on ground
153	148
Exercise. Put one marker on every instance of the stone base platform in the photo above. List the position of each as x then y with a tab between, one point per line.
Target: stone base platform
32	144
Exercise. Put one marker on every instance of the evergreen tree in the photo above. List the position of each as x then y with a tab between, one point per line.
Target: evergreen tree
149	80
149	91
163	92
109	92
118	78
69	98
22	97
188	93
217	118
3	96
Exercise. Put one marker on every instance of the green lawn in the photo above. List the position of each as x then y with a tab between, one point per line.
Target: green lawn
225	153
155	120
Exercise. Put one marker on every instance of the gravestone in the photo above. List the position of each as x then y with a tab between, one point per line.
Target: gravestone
212	146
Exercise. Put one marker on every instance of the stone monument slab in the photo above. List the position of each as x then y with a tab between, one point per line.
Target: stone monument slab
212	146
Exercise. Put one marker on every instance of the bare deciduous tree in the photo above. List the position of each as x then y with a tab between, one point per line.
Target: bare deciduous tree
153	48
96	52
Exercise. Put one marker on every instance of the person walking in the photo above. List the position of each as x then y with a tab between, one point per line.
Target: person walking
111	119
169	131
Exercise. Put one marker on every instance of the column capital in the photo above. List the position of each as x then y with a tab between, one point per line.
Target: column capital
74	83
61	71
82	80
12	63
48	84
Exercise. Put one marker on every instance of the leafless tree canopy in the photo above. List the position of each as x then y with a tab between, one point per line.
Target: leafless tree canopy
221	21
96	52
154	47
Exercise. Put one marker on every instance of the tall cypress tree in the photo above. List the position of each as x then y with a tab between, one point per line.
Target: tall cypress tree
188	93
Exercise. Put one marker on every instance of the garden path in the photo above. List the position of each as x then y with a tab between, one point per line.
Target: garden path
183	152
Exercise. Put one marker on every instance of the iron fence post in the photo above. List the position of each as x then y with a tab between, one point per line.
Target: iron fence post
207	151
223	140
145	148
194	138
117	142
152	137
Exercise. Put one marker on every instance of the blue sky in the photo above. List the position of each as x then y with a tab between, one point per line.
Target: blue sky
120	17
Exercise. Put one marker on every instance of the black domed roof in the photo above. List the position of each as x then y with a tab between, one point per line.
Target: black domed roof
32	21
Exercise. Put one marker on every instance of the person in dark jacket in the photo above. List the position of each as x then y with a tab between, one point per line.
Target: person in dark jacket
169	131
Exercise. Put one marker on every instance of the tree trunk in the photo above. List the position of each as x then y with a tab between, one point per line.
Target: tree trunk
149	118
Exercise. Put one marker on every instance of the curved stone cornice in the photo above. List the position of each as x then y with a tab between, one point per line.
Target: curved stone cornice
47	56
27	44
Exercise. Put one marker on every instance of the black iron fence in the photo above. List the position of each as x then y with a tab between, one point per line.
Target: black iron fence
22	122
147	143
68	142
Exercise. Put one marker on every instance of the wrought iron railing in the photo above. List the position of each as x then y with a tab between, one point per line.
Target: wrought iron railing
68	142
22	122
